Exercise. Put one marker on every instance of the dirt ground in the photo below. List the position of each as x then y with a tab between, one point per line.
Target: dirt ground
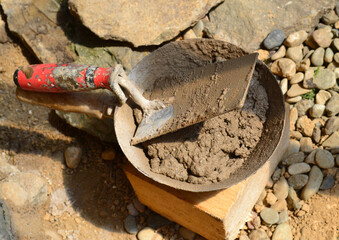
90	202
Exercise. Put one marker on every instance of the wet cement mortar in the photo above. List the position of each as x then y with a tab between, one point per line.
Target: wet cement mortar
211	151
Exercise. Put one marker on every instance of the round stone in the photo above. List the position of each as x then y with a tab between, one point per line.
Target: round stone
306	144
322	37
328	55
283	216
327	183
296	38
274	39
280	205
330	18
283	232
279	54
130	225
298	77
332	125
314	181
297	157
293	147
148	233
73	156
283	85
325	79
280	188
269	216
324	159
332	106
298	181
295	53
284	67
317	57
336	57
316	135
299	168
317	110
322	97
132	210
336	44
258	234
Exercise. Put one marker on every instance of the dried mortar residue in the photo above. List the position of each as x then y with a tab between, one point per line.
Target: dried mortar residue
212	150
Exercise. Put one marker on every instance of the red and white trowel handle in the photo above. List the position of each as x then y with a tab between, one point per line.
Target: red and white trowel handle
73	77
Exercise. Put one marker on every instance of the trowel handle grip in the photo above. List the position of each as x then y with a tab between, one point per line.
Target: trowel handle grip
61	78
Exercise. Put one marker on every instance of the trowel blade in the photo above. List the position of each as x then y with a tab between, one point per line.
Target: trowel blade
197	95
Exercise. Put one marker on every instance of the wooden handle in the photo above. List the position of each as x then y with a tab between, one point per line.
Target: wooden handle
61	78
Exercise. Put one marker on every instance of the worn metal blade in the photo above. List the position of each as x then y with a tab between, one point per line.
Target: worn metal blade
197	95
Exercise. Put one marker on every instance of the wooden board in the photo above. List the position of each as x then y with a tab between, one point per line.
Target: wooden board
213	215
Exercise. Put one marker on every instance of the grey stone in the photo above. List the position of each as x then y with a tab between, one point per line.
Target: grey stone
274	39
332	141
73	156
324	159
297	157
132	210
306	144
280	188
298	181
283	232
316	135
148	233
237	20
130	225
317	57
317	110
311	157
322	37
186	233
298	168
313	184
295	53
152	25
276	174
293	201
330	18
293	147
328	55
284	67
155	221
36	24
332	106
5	223
269	216
258	235
332	125
303	106
325	79
279	54
138	205
327	183
322	97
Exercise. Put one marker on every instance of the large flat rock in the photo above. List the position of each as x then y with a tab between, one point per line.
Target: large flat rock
35	22
140	22
246	23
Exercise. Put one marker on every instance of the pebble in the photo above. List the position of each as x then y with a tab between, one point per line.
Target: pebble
13	194
131	210
332	106
296	38
295	53
306	144
73	156
293	147
189	34
274	39
317	110
298	77
322	97
324	159
283	216
328	55
322	37
283	232
336	44
186	233
330	18
284	67
298	181
293	115
294	99
303	106
332	125
283	85
303	65
130	225
299	168
325	79
332	141
313	184
280	188
305	125
336	72
316	135
293	201
295	134
270	198
269	216
138	205
336	57
258	235
199	28
148	233
296	90
317	57
280	205
311	157
297	157
108	154
279	54
327	183
276	175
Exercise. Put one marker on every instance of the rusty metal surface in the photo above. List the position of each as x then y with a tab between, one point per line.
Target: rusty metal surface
190	54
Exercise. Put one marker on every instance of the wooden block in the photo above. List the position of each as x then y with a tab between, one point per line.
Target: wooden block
213	215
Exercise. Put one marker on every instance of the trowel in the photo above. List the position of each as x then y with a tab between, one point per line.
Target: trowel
182	99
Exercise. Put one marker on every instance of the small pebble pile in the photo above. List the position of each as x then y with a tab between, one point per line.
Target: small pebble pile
307	69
